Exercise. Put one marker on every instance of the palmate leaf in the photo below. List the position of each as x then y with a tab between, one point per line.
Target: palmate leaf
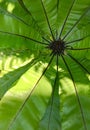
49	95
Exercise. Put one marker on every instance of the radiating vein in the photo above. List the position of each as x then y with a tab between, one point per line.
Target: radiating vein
28	12
13	16
66	18
28	97
77	40
77	96
57	5
58	9
76	23
74	59
24	7
46	40
76	49
22	36
52	97
47	20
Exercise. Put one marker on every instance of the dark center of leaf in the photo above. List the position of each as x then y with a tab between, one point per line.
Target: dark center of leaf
57	47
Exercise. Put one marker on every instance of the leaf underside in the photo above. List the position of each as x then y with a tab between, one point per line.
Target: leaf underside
39	88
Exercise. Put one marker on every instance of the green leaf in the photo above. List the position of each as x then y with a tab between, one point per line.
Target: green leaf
10	79
51	119
28	30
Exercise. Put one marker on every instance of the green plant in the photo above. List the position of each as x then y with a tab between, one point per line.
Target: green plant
45	44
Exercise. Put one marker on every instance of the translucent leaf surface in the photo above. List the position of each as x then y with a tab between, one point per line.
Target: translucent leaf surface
43	87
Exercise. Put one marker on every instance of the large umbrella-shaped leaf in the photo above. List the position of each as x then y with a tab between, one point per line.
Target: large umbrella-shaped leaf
44	64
